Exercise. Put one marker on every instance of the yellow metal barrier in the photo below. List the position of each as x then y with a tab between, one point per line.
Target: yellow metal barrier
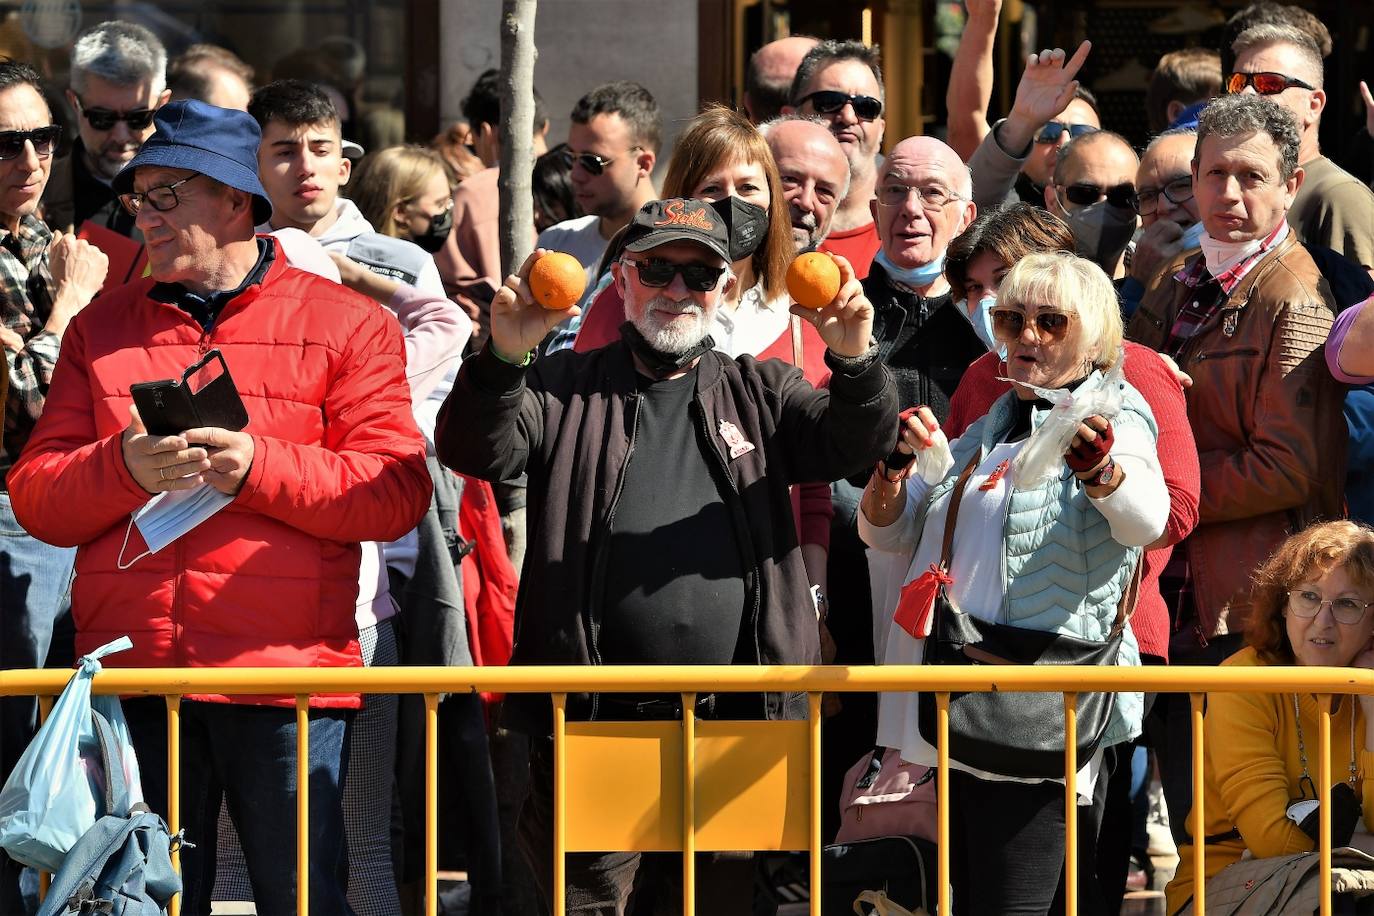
732	776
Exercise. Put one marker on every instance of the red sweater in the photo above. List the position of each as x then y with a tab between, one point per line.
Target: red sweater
857	246
811	504
1178	460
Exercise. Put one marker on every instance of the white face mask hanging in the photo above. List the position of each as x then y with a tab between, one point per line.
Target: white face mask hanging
167	516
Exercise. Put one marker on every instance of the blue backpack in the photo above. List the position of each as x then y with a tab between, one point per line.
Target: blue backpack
122	866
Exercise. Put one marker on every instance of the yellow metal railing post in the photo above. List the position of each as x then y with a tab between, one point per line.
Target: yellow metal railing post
814	730
431	804
1324	794
942	798
302	803
1199	813
174	783
1071	802
45	879
560	814
689	813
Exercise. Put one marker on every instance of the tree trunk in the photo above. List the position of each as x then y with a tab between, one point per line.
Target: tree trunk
517	132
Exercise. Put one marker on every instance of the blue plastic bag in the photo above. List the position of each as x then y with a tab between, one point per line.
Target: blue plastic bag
57	790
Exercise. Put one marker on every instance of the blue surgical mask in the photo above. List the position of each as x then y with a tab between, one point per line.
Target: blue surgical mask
915	277
981	319
1192	236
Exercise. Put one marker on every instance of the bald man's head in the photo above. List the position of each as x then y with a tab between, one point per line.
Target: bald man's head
924	200
814	172
768	79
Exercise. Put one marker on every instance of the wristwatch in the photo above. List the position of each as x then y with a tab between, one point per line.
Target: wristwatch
1103	477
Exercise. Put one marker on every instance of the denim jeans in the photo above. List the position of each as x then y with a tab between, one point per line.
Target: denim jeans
35	593
246	756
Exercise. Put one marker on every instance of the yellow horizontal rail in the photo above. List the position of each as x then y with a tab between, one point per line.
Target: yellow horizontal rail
691	679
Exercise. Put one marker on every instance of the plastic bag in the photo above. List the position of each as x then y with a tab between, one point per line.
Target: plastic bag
1043	455
57	790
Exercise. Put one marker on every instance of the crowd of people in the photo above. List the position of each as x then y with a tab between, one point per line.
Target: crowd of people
686	466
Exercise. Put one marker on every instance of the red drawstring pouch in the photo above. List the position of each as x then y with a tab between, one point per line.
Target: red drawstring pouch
918	600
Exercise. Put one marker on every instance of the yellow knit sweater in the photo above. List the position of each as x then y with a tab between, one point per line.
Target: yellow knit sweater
1252	773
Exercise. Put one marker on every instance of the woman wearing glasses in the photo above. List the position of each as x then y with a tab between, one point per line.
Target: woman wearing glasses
1311	607
1052	552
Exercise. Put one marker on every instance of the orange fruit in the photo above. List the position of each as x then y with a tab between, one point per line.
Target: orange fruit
813	279
557	280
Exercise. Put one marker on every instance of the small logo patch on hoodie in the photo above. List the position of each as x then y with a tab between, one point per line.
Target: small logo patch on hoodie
735	439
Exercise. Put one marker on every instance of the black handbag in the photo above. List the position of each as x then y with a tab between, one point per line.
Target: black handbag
1013	733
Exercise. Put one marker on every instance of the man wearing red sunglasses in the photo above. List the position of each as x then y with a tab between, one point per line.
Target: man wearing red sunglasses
118	80
1333	209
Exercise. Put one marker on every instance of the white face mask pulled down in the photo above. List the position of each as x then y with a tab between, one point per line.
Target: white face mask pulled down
167	516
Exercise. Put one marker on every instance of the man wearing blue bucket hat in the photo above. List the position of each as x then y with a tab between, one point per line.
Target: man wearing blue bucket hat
265	572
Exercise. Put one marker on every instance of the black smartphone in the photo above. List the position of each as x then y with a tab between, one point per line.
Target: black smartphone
205	395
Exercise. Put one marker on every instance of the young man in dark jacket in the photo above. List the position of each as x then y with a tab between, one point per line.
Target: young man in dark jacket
660	523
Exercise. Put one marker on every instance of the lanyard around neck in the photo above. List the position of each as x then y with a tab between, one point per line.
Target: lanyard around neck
1306	779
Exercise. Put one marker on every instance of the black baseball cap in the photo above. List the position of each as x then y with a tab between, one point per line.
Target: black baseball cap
678	219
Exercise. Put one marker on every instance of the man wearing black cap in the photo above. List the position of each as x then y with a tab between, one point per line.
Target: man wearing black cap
259	566
661	528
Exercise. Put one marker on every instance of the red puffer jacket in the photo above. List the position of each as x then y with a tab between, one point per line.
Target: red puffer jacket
270	580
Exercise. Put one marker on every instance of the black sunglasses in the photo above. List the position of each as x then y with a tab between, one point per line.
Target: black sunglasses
1007	324
594	164
658	273
44	140
1265	83
1053	130
829	101
106	118
1122	196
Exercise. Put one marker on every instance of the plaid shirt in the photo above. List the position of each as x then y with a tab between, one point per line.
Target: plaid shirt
25	303
1211	291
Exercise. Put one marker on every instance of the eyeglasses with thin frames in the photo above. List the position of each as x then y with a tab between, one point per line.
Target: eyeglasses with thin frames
933	197
44	140
1307	603
594	164
161	198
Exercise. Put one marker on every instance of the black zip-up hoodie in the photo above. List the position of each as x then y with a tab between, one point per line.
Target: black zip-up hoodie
568	422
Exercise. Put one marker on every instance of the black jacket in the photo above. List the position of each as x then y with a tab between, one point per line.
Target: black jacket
924	341
569	422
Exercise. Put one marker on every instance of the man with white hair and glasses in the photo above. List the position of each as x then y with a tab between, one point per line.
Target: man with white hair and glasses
118	81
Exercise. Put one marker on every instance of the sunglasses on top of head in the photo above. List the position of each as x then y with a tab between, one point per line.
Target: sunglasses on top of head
1265	83
658	273
829	101
1009	323
594	164
1053	130
1122	196
44	140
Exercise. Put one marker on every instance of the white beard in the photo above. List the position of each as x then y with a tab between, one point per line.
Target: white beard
677	337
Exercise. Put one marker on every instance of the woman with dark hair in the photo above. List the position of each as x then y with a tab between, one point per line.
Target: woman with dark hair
1310	607
551	184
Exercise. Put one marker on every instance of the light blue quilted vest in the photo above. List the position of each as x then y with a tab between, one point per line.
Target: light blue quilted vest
1062	571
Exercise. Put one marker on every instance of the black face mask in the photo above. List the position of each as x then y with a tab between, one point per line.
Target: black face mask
748	225
655	360
432	239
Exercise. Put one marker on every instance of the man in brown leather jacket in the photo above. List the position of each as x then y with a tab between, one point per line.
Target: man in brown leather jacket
1246	318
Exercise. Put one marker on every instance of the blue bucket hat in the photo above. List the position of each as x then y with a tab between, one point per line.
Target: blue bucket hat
216	142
